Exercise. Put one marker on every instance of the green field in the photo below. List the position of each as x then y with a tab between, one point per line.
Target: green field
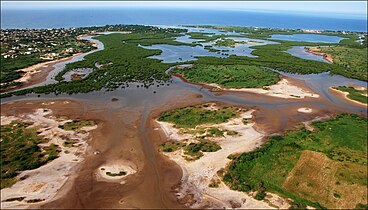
354	94
230	76
319	168
190	117
20	151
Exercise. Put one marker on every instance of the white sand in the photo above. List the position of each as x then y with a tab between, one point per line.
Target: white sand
305	110
197	175
45	181
283	89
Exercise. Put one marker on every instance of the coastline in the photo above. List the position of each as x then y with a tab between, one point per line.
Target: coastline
285	88
315	51
344	95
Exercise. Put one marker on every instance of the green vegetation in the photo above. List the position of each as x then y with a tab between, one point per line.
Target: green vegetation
20	151
354	94
76	125
353	60
335	153
230	76
24	47
121	173
193	150
171	146
273	55
214	132
129	63
190	117
227	43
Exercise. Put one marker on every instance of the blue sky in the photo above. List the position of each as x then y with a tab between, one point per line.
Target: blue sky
351	8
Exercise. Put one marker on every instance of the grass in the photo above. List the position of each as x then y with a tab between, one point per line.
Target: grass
277	160
230	76
76	125
190	117
353	60
354	94
20	151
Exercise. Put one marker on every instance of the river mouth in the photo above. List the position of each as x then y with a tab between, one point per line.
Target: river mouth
127	132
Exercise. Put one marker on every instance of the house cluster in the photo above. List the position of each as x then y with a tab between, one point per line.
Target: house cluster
43	43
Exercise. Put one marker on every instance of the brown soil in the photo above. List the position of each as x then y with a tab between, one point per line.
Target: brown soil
131	134
314	178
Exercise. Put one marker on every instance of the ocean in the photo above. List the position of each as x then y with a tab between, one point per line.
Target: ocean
59	18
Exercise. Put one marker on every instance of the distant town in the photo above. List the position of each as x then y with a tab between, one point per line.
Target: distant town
45	44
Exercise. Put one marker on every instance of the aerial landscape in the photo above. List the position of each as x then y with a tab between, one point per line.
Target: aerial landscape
176	105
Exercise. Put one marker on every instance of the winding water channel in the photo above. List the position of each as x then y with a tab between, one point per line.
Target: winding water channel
130	115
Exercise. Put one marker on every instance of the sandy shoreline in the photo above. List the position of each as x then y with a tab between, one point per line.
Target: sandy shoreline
316	51
282	89
345	96
37	73
44	182
194	190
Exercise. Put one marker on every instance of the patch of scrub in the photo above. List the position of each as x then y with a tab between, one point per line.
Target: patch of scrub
115	171
201	183
37	173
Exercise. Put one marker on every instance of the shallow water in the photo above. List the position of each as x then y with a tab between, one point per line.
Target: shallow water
307	38
300	52
173	53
